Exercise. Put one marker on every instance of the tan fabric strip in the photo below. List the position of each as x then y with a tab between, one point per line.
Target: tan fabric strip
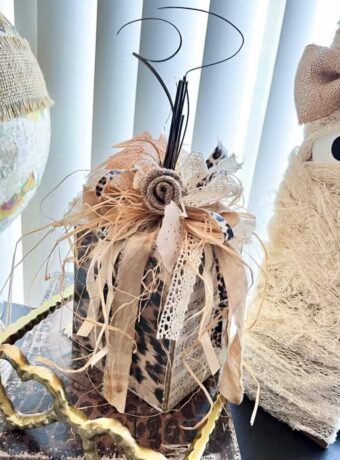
231	378
235	279
93	285
22	85
125	308
204	336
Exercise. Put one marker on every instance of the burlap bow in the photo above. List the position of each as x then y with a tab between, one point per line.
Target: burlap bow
317	83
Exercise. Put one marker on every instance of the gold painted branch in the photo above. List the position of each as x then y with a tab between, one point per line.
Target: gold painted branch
62	411
200	442
16	330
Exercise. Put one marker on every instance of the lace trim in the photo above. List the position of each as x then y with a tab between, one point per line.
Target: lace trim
182	283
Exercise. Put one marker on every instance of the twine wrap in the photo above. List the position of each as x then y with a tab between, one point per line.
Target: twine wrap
159	187
22	85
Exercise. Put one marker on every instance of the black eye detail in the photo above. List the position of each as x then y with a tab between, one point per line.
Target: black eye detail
336	148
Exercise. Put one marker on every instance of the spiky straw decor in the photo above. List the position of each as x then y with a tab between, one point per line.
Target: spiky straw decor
293	348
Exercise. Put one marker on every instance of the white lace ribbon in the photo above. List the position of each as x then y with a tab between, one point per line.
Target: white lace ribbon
181	287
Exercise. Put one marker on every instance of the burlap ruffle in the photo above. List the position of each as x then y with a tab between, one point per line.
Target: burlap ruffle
22	85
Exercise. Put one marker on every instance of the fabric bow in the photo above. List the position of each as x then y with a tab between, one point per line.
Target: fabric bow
317	83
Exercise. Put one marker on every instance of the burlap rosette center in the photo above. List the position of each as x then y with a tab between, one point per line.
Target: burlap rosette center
159	187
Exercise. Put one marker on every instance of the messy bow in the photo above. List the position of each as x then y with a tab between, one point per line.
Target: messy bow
188	217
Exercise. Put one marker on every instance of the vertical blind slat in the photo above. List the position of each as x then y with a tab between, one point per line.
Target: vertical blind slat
222	86
261	76
10	235
158	40
66	53
115	75
280	123
26	21
7	8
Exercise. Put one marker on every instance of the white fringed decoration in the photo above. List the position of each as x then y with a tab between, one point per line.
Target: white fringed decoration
292	347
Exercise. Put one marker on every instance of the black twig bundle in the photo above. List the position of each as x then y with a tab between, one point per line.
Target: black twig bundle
174	140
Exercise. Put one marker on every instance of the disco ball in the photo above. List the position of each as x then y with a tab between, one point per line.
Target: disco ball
24	124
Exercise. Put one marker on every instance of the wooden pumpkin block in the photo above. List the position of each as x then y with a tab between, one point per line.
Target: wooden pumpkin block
163	372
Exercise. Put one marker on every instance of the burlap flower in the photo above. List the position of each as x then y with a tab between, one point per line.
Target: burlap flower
159	187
